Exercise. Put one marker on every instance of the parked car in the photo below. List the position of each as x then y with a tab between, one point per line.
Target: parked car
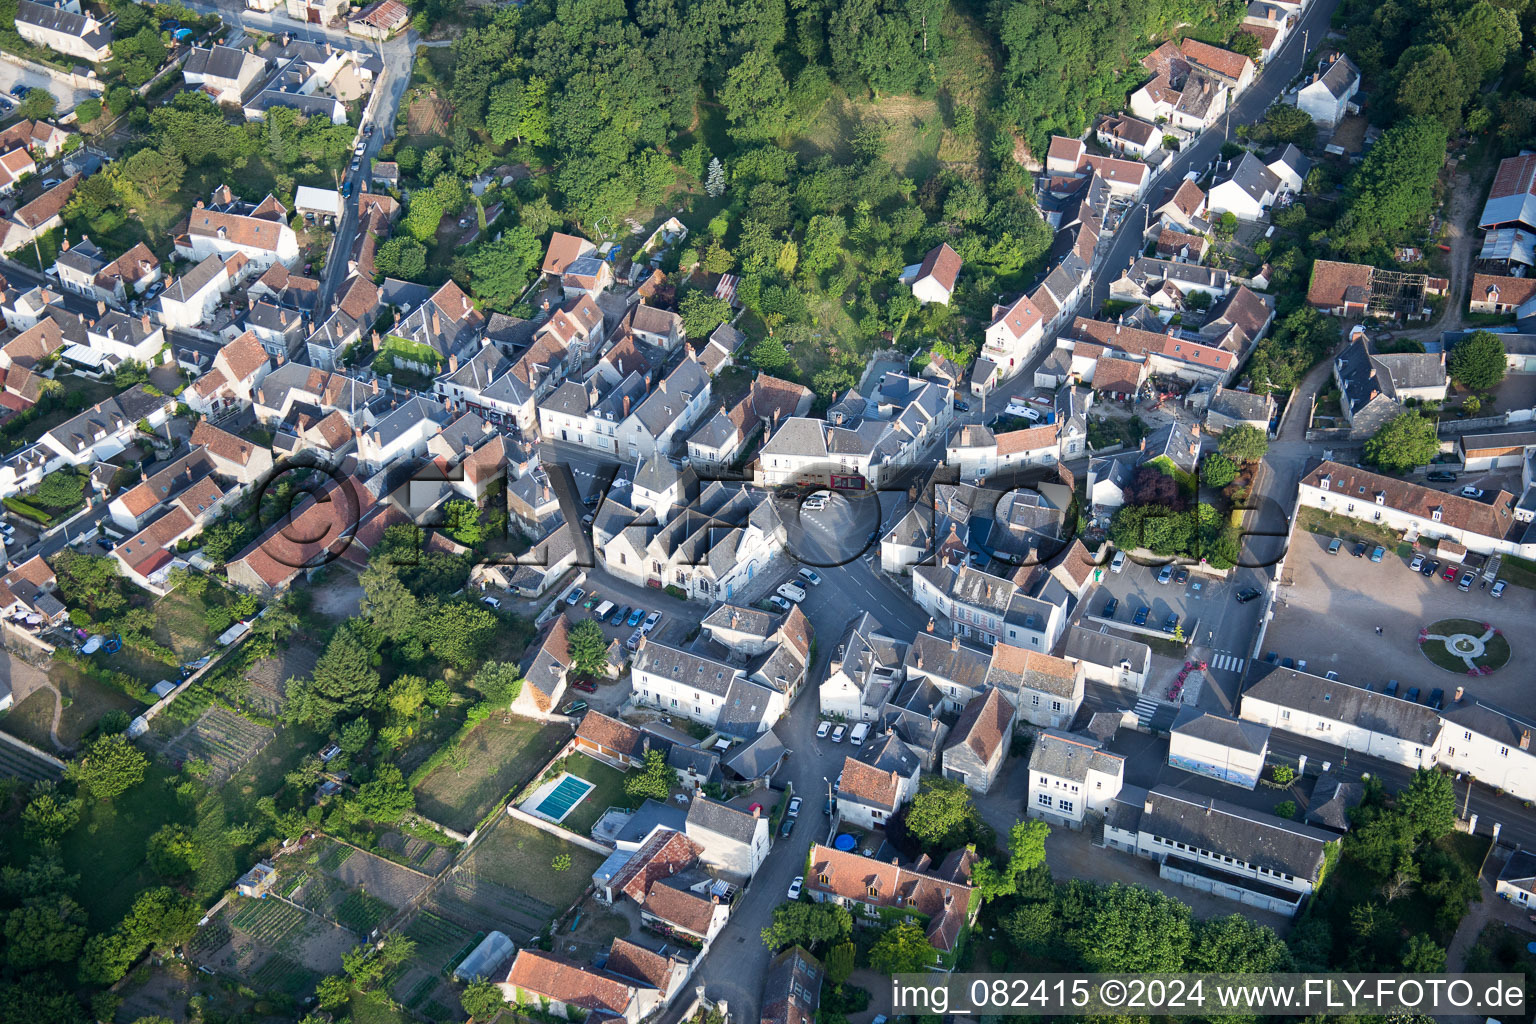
492	602
794	806
633	643
1172	623
791	591
1391	690
810	576
1244	596
794	887
1437	698
619	616
1412	694
961	406
1181	576
20	91
50	182
779	604
1417	563
1450	573
1377	553
823	729
1471	492
1441	476
1465	583
1165	574
1110	607
838	733
1431	567
1141	615
7	530
574	596
650	622
636	616
1359	551
1498	589
575	707
1334	545
1271	657
787	828
1117	564
1287	663
584	685
105	543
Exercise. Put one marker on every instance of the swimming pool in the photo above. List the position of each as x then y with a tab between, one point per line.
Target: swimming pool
560	801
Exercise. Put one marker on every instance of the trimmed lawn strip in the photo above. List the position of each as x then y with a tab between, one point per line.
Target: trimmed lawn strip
1326	524
1495	651
519	856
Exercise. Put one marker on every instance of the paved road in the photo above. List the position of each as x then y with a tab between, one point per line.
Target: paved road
1248	108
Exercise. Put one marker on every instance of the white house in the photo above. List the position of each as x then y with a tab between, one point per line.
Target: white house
733	842
865	671
1071	776
402	434
1108	658
61	26
1517	882
1490	744
1327	94
189	300
227	74
1254	858
227	226
1247	191
933	280
1222	748
1346	716
1015	335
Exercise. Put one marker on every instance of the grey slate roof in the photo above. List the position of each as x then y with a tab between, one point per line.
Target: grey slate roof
1254	178
721	819
1498	724
1071	756
1254	837
757	758
410	413
1520	871
933	656
1106	649
703	673
92	32
1332	799
195	280
1249	737
1339	701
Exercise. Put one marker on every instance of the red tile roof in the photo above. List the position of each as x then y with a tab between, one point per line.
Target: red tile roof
1020	318
942	264
1512	291
984	725
1214	58
878	883
562	250
1032	439
554	977
869	785
1331	281
1117	376
685	910
609	733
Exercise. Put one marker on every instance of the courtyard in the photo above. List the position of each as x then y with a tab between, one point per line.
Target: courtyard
1330	606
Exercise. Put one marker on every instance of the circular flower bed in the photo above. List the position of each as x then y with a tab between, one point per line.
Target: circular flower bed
1464	645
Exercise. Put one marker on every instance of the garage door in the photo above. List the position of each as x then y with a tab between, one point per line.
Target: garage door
1530	364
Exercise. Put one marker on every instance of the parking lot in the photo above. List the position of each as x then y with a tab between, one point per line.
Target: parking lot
1330	605
67	95
1207	607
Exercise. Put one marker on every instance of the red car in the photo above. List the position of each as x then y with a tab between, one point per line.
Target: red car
584	685
1450	572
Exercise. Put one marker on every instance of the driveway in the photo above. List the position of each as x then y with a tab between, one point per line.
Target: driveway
69	96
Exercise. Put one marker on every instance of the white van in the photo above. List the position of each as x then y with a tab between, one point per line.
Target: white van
859	732
792	591
602	611
1117	564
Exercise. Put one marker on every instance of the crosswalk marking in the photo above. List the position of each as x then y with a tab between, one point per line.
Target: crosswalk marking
1228	662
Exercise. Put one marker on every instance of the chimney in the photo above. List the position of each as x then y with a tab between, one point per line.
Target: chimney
377	341
757	811
1460	692
144	320
954	643
626	406
453	363
437	321
1525	739
930	623
64	246
919	657
279	359
101	308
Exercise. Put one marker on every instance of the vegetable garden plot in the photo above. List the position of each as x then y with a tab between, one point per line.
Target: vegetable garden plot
223	739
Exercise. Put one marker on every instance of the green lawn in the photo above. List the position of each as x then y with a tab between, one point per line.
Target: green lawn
1326	524
520	856
1495	655
609	792
497	758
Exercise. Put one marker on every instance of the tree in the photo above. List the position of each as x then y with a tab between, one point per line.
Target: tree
1244	444
89	580
770	356
38	105
355	736
1403	442
482	999
1432	85
1120	928
1428	805
1218	470
48	816
461	519
654	780
386	798
1247	44
499	270
109	768
715	183
403	258
44	930
942	815
344	680
88	110
1234	944
1026	852
173	853
807	924
1422	956
702	313
588	649
839	962
903	949
756	98
1393	190
459	632
499	682
1477	362
333	992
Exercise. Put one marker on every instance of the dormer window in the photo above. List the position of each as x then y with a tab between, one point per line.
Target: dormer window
822	878
874	892
1381	497
1323	483
1435	515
